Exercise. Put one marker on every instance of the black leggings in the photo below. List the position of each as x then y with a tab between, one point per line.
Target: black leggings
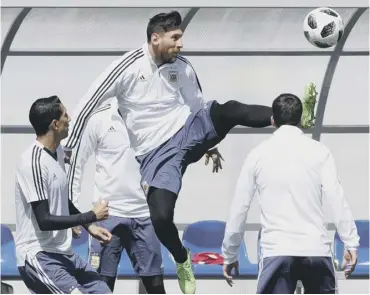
152	284
162	206
233	113
162	202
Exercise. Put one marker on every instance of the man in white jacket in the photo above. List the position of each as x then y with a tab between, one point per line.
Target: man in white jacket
293	176
117	180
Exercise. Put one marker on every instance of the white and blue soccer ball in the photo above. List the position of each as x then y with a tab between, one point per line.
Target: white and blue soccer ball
323	27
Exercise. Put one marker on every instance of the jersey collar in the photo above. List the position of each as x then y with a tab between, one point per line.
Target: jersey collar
145	49
288	129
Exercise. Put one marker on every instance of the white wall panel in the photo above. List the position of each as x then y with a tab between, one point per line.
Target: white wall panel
8	15
351	154
358	39
251	29
27	78
85	28
254	80
257	79
348	100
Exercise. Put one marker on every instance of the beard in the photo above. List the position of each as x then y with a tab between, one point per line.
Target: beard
171	57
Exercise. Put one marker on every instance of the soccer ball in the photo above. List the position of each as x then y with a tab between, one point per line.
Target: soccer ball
323	27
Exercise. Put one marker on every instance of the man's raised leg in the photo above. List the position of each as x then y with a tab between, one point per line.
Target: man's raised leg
232	113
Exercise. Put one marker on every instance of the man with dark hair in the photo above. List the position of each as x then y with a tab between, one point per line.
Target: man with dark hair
169	123
287	110
44	214
294	176
162	23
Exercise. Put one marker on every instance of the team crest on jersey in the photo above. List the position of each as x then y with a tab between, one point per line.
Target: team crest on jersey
173	77
95	260
145	187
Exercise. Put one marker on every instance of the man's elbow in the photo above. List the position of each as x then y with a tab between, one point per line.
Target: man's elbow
44	225
44	228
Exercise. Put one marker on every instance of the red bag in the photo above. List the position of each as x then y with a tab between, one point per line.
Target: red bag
207	258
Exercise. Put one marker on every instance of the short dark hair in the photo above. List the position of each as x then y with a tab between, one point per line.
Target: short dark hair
287	110
43	111
163	22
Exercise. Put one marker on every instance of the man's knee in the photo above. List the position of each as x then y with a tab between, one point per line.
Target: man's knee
161	206
229	106
161	216
223	116
220	110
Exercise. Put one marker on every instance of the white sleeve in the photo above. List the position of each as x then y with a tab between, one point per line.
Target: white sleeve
235	226
80	156
33	180
191	89
332	191
109	84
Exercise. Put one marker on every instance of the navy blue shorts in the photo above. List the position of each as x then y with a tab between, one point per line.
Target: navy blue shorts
164	166
50	273
279	274
137	237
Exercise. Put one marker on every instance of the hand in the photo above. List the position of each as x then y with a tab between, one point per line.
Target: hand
67	157
99	233
227	272
76	232
216	158
349	262
101	209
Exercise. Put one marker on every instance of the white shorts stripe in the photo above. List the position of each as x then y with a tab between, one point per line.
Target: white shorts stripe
46	277
41	277
260	265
